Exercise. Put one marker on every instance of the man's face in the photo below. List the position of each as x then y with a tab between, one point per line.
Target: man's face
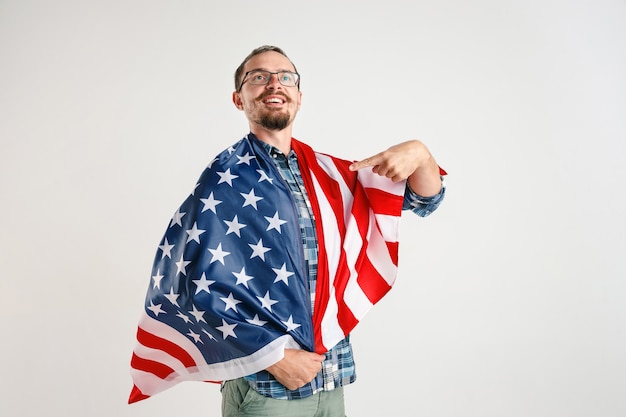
272	106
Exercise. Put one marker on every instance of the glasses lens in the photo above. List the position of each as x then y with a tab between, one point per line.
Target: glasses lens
288	79
258	77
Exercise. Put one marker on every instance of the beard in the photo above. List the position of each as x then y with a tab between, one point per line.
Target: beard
274	121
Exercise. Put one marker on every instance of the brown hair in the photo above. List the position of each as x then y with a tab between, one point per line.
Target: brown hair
257	51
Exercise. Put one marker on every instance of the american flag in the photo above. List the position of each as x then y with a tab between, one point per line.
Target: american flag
229	289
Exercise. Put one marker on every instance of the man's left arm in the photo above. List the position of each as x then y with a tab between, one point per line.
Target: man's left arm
411	161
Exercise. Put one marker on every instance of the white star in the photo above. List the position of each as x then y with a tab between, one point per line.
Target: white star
282	274
227	329
167	249
157	279
209	334
197	314
195	336
274	222
290	324
231	302
227	177
182	266
218	254
234	226
245	159
256	321
156	309
177	218
211	163
250	199
258	250
267	302
231	150
210	203
194	233
202	284
184	317
263	176
242	278
172	297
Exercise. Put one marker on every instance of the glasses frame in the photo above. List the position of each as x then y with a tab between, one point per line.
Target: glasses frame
245	76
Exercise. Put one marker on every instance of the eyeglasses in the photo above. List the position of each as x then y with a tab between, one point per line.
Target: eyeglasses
262	77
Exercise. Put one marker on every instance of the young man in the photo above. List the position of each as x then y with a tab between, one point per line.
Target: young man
275	257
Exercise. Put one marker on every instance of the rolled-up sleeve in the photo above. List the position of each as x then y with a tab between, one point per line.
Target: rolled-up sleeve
423	206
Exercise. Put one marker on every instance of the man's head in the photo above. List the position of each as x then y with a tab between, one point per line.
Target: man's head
267	88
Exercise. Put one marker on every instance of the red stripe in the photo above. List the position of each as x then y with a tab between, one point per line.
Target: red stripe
136	395
371	282
156	368
172	349
382	202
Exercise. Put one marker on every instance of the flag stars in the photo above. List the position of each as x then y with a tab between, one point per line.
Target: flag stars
258	250
274	222
203	284
210	203
266	301
218	254
282	274
290	324
182	266
227	329
209	335
183	316
256	321
156	309
242	278
231	303
195	337
173	297
234	226
263	176
245	159
166	249
227	177
157	279
198	314
250	199
194	233
177	218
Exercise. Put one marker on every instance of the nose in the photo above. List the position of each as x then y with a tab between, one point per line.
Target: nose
273	82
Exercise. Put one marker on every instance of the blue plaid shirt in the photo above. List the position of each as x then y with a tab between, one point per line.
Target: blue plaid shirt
338	367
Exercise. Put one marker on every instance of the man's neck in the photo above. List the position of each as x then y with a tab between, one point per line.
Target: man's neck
280	139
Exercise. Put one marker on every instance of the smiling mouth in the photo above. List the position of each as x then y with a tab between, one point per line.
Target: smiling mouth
273	100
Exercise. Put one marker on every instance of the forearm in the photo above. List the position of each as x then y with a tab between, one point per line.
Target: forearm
426	179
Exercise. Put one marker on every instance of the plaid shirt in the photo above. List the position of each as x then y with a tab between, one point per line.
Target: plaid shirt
338	367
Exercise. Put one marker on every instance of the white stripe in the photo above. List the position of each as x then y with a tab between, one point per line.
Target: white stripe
371	180
150	384
378	254
388	226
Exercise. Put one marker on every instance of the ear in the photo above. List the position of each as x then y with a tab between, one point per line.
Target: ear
237	100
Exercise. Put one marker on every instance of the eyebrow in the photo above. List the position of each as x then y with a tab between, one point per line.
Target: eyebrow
264	69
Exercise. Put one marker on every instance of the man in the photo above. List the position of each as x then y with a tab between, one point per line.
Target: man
327	278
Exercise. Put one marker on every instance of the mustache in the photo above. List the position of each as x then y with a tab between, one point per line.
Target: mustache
262	96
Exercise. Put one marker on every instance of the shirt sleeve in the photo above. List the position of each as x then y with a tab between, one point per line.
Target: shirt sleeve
423	206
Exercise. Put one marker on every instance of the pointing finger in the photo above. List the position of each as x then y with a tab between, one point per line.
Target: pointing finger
367	162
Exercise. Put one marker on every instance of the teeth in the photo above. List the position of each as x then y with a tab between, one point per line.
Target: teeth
273	100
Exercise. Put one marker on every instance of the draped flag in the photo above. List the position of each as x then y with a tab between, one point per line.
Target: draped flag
229	289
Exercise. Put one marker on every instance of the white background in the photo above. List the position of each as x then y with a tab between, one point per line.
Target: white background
511	299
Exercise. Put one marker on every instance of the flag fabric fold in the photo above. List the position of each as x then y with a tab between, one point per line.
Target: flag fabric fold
229	291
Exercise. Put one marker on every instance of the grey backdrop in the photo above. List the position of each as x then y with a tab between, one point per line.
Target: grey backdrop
510	299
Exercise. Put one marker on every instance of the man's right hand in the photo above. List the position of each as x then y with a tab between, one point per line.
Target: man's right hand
297	368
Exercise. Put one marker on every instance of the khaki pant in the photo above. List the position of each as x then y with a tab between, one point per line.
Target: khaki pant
240	400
